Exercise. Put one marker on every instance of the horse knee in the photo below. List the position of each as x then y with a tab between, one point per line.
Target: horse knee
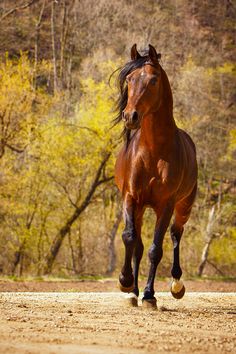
128	237
155	253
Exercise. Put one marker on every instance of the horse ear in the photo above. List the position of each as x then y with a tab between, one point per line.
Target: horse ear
134	53
153	55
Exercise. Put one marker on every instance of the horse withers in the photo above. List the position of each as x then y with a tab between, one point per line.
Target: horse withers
156	168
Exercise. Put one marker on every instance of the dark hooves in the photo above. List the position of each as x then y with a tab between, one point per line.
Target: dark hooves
149	303
179	294
126	284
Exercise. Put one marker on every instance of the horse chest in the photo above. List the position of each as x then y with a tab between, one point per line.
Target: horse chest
148	181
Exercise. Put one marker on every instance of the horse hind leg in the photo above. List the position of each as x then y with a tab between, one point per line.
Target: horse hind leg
182	213
177	286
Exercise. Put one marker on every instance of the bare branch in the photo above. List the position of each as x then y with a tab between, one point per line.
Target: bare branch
15	9
215	267
104	180
82	127
74	204
15	149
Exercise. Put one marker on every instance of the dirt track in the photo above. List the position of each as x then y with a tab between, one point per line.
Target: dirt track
103	323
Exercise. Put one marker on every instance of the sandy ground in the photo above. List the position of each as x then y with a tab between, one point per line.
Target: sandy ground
102	322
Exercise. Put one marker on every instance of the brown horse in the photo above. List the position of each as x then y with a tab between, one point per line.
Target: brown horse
156	168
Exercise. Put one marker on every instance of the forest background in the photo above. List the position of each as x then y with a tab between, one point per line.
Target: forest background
60	212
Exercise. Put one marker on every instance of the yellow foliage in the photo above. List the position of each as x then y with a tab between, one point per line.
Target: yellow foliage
223	251
21	105
60	162
232	144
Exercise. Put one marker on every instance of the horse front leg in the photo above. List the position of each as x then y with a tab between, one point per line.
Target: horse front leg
138	253
156	252
129	237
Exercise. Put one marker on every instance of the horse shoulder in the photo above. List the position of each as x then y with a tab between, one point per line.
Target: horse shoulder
120	169
128	167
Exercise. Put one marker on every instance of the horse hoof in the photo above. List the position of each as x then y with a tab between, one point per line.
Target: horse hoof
125	289
131	300
149	303
177	289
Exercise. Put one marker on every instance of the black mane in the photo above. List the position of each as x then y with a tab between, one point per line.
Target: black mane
123	90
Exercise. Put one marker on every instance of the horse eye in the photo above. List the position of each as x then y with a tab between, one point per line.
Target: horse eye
153	81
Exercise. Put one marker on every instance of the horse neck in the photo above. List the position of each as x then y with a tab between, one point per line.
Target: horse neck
158	128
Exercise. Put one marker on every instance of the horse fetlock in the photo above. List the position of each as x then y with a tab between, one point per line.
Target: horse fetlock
176	272
149	301
136	291
148	294
126	282
155	253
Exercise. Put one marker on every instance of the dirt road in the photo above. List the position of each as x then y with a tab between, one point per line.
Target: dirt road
103	323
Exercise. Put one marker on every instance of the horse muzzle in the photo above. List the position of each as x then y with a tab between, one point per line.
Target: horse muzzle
131	119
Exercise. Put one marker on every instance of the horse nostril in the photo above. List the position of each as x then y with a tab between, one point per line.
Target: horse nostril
134	116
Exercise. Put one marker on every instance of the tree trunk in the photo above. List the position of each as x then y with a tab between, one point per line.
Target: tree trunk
72	253
36	45
18	256
64	28
210	237
57	242
54	61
